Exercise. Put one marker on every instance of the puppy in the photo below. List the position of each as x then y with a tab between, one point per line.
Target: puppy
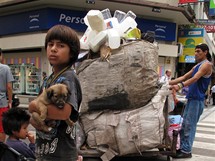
57	95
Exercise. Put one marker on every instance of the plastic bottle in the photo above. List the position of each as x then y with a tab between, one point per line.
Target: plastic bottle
94	19
119	15
130	14
85	39
97	41
126	25
106	14
113	39
111	23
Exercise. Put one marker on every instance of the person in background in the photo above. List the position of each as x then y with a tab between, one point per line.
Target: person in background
213	93
62	48
15	123
207	97
198	79
166	78
6	79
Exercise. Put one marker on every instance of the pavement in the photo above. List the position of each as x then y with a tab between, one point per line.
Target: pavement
204	143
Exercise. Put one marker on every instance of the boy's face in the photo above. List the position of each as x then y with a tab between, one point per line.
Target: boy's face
23	132
58	53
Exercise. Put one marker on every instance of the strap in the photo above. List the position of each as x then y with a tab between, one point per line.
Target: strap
51	79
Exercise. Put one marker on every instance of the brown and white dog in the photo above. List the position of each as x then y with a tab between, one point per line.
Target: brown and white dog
56	94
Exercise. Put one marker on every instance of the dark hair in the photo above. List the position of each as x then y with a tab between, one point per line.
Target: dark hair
67	36
204	47
13	119
0	51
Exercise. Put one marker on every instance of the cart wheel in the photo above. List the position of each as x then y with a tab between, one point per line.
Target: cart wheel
169	158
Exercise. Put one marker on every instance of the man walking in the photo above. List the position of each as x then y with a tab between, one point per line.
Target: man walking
6	79
166	77
198	79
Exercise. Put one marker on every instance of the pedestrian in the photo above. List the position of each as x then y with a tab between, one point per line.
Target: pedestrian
44	75
15	123
6	79
213	93
198	79
62	47
166	78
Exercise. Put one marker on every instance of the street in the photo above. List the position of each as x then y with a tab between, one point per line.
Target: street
204	144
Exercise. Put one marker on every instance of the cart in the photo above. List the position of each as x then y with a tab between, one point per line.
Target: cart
167	149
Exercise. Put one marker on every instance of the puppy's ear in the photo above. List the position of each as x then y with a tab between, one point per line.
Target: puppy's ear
50	93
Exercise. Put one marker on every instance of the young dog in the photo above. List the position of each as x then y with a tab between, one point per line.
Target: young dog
56	94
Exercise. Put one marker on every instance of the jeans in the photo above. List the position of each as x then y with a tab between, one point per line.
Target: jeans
191	115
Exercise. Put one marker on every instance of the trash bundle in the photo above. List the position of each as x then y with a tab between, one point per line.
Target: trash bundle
129	80
118	133
122	105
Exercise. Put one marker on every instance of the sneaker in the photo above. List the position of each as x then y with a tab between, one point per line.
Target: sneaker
181	154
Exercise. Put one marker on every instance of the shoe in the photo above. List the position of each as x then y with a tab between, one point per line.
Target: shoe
180	154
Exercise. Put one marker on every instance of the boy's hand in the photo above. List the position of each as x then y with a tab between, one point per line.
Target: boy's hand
31	137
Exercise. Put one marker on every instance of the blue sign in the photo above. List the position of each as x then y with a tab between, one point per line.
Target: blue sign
40	20
43	19
163	30
195	32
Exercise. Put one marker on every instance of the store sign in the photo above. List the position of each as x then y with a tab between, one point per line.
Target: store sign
212	8
165	31
190	38
191	1
44	19
40	20
209	25
187	1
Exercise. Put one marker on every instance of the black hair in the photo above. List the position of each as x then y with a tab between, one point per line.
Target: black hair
13	119
204	47
66	35
0	51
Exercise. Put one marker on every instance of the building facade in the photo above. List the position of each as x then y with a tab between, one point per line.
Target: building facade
24	25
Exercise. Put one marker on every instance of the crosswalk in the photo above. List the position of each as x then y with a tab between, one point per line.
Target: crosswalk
204	144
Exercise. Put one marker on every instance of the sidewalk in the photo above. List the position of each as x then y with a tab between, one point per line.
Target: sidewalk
204	144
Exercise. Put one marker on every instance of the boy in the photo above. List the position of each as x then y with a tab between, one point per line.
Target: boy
15	122
62	46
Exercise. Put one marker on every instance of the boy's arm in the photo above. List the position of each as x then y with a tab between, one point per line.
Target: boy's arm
53	112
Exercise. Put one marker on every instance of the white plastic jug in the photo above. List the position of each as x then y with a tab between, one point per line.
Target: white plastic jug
106	13
85	39
97	41
119	15
113	39
130	14
125	25
95	20
111	23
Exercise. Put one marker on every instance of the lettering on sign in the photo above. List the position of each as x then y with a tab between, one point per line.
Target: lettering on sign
69	19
